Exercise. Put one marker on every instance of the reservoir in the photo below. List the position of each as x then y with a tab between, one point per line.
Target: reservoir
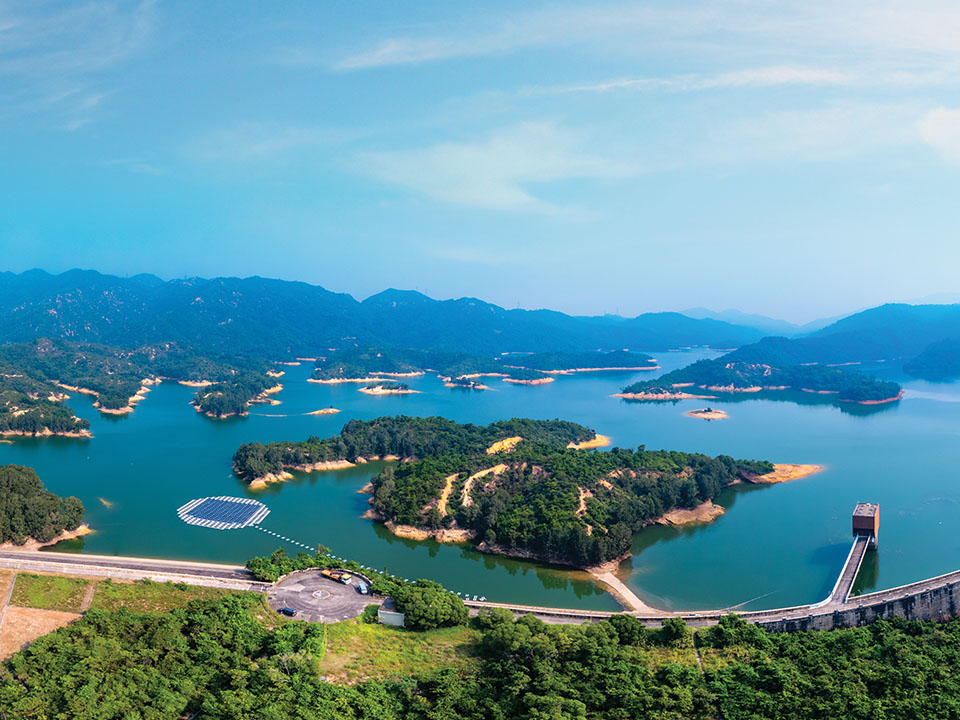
776	545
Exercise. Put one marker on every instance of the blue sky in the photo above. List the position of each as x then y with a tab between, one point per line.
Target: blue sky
795	159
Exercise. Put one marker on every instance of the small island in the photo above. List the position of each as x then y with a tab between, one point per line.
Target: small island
388	388
560	363
708	413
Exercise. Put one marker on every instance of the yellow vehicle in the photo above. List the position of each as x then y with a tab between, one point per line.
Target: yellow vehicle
339	575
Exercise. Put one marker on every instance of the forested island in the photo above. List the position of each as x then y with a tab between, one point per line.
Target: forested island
765	366
37	377
561	362
456	369
517	486
28	511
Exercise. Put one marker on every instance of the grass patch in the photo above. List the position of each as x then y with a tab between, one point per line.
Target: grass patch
359	651
151	596
658	656
48	592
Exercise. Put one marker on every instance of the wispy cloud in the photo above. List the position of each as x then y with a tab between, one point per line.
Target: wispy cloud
52	55
940	128
501	171
250	141
861	29
764	77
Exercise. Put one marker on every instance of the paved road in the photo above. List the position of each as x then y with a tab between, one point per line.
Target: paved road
317	598
233	577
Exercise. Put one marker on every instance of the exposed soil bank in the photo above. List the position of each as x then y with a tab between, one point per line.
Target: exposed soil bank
597	442
32	544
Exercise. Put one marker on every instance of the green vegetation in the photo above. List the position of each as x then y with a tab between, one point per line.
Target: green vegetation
403	436
233	397
32	373
150	596
940	361
31	407
427	606
387	386
771	364
572	507
358	651
533	505
27	510
214	660
49	592
573	361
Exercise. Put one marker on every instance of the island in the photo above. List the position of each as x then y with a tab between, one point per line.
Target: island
764	367
938	362
561	363
708	413
387	388
461	370
30	515
118	379
520	487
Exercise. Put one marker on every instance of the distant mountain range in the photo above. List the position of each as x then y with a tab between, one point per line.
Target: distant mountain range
275	318
271	319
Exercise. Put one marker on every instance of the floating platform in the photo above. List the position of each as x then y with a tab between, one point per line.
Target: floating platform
223	513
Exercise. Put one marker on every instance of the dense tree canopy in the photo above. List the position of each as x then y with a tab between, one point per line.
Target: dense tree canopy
214	661
28	510
403	436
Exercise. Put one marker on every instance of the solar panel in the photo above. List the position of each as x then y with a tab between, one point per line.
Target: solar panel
223	513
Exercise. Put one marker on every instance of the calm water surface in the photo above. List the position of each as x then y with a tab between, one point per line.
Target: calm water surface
779	545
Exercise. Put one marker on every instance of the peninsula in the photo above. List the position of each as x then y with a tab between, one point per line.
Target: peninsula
763	367
31	515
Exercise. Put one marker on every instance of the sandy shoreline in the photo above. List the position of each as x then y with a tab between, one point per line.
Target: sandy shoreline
784	472
571	371
598	441
47	432
32	544
538	381
324	411
338	381
378	390
663	396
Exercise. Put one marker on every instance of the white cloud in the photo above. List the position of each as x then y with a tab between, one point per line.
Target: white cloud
940	128
52	55
923	32
499	172
762	77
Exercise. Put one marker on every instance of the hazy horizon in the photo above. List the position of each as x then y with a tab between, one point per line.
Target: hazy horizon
798	162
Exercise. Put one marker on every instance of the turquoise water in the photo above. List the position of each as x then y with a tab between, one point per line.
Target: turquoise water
778	545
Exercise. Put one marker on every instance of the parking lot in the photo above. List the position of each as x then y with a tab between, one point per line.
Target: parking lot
317	598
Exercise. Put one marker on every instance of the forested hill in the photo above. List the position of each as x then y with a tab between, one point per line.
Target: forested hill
275	319
28	510
914	337
515	485
772	364
404	437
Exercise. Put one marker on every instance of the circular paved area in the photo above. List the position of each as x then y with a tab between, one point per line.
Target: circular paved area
318	599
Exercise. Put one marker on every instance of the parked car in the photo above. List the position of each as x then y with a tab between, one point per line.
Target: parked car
289	612
362	588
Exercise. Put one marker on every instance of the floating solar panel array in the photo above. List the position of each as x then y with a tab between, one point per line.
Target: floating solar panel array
223	513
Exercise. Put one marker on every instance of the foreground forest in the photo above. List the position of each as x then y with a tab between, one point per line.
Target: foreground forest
517	485
224	660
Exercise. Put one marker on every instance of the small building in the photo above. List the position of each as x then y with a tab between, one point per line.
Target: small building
866	521
389	615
